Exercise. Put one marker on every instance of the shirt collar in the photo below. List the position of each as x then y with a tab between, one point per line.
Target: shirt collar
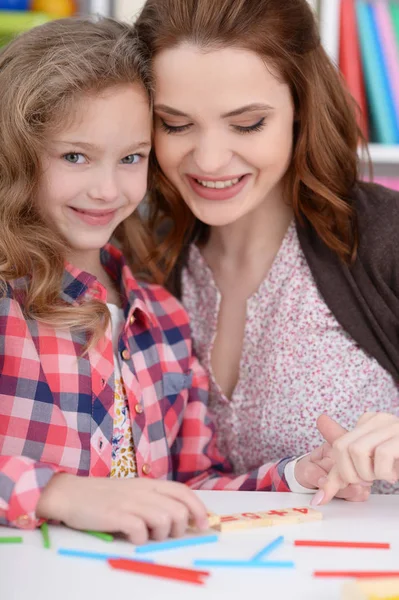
78	284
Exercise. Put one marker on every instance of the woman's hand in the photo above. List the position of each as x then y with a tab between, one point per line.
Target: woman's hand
139	508
370	452
312	471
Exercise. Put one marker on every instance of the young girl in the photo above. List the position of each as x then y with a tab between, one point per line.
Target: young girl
97	373
287	264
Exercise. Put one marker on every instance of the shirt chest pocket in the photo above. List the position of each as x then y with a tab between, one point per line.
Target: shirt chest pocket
175	384
176	387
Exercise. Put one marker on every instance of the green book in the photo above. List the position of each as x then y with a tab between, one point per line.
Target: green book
12	23
394	6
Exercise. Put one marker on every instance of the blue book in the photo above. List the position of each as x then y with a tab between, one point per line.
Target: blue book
382	107
14	5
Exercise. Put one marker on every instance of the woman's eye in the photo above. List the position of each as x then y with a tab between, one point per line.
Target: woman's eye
174	128
74	157
258	126
131	159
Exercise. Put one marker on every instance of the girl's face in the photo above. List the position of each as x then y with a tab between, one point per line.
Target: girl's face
95	169
224	130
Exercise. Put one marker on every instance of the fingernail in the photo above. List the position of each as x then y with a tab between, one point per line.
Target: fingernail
317	498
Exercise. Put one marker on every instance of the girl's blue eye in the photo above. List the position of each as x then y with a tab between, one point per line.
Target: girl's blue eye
75	158
131	159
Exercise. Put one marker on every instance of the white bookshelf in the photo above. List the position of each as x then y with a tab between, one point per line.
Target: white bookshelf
381	154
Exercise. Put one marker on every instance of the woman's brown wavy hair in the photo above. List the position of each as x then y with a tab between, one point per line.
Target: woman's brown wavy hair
324	164
43	73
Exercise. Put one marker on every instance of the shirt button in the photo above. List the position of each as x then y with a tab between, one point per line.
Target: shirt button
125	354
132	320
138	408
146	469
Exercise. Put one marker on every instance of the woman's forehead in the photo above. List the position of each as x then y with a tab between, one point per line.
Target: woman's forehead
188	78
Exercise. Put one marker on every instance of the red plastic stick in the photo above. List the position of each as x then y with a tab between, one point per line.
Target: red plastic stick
164	571
356	574
323	544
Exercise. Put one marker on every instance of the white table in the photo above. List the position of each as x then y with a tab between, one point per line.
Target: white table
28	571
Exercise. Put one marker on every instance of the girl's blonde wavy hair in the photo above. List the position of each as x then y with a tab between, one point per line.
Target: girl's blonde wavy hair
43	73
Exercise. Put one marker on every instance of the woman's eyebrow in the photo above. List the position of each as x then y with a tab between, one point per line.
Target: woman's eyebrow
170	111
233	113
247	108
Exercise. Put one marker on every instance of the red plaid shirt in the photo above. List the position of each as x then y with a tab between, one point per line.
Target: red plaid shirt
56	406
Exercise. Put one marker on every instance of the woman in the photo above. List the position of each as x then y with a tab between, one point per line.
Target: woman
285	262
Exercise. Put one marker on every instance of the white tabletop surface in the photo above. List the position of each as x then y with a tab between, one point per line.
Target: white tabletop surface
28	571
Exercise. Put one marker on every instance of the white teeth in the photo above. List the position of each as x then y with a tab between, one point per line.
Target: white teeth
219	184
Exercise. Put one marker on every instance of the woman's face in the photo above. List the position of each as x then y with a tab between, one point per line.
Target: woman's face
224	130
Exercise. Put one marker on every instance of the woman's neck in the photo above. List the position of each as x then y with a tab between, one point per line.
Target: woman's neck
254	238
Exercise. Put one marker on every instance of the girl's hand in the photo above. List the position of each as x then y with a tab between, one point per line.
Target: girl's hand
312	471
139	508
369	452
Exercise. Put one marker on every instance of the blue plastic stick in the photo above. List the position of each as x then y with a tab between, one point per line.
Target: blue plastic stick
269	548
246	564
171	544
93	555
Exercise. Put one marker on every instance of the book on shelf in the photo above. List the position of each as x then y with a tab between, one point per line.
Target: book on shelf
102	8
350	61
390	53
329	19
127	10
380	99
394	9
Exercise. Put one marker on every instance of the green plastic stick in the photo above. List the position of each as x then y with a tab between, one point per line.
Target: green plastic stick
106	537
45	535
11	540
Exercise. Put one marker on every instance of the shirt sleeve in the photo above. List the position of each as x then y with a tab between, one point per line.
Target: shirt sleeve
22	480
197	460
292	481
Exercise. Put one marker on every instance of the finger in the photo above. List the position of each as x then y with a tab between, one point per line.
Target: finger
183	494
321	452
353	449
310	474
365	418
156	518
361	495
177	512
330	429
354	493
329	488
385	460
326	464
132	527
364	450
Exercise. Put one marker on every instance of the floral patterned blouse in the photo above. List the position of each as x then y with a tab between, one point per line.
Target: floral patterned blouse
123	452
297	362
